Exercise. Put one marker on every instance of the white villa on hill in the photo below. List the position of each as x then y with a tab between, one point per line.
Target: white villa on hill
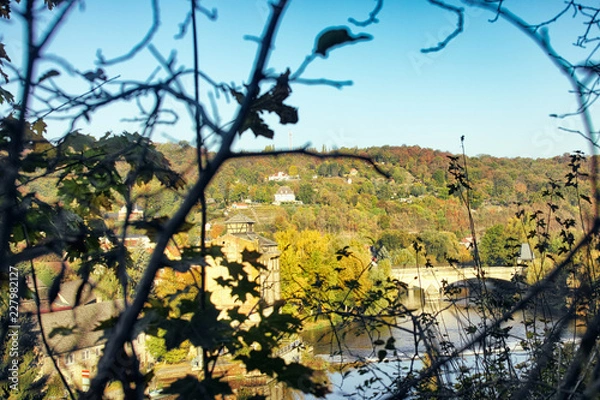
284	195
280	176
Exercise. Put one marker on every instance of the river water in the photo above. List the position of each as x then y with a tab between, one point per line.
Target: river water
448	326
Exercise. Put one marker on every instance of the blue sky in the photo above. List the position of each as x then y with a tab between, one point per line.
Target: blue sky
491	84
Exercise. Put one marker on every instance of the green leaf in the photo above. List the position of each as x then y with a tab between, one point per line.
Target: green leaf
252	257
203	329
152	227
3	54
244	289
352	284
33	161
18	235
188	306
180	265
149	376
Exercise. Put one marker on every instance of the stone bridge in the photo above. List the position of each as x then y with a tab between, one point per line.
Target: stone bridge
430	279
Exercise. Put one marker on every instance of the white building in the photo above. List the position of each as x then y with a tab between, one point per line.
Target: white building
284	195
280	176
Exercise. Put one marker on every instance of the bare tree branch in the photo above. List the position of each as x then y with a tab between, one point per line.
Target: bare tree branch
210	14
459	11
372	16
139	46
38	310
326	82
562	128
305	151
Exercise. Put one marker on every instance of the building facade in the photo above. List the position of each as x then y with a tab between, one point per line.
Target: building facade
240	236
285	195
77	344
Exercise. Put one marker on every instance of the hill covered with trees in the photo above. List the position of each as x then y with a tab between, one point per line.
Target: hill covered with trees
350	199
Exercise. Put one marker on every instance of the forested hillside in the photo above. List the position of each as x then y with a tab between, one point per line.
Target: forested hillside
349	199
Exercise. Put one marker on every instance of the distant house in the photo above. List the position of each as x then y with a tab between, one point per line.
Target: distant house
133	240
65	299
137	213
280	176
71	330
240	206
77	351
467	242
284	195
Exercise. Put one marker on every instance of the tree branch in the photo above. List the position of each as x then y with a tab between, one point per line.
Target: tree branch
372	16
305	151
459	11
138	47
124	328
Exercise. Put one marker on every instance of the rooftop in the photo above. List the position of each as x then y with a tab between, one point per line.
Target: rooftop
262	241
239	219
285	190
75	329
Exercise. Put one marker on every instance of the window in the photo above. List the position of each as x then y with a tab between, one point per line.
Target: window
85	355
70	359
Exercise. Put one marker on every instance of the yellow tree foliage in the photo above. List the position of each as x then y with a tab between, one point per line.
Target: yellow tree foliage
314	264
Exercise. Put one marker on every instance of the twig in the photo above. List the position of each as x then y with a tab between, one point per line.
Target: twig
305	151
210	14
372	16
197	112
72	100
324	81
578	132
459	11
542	40
138	47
